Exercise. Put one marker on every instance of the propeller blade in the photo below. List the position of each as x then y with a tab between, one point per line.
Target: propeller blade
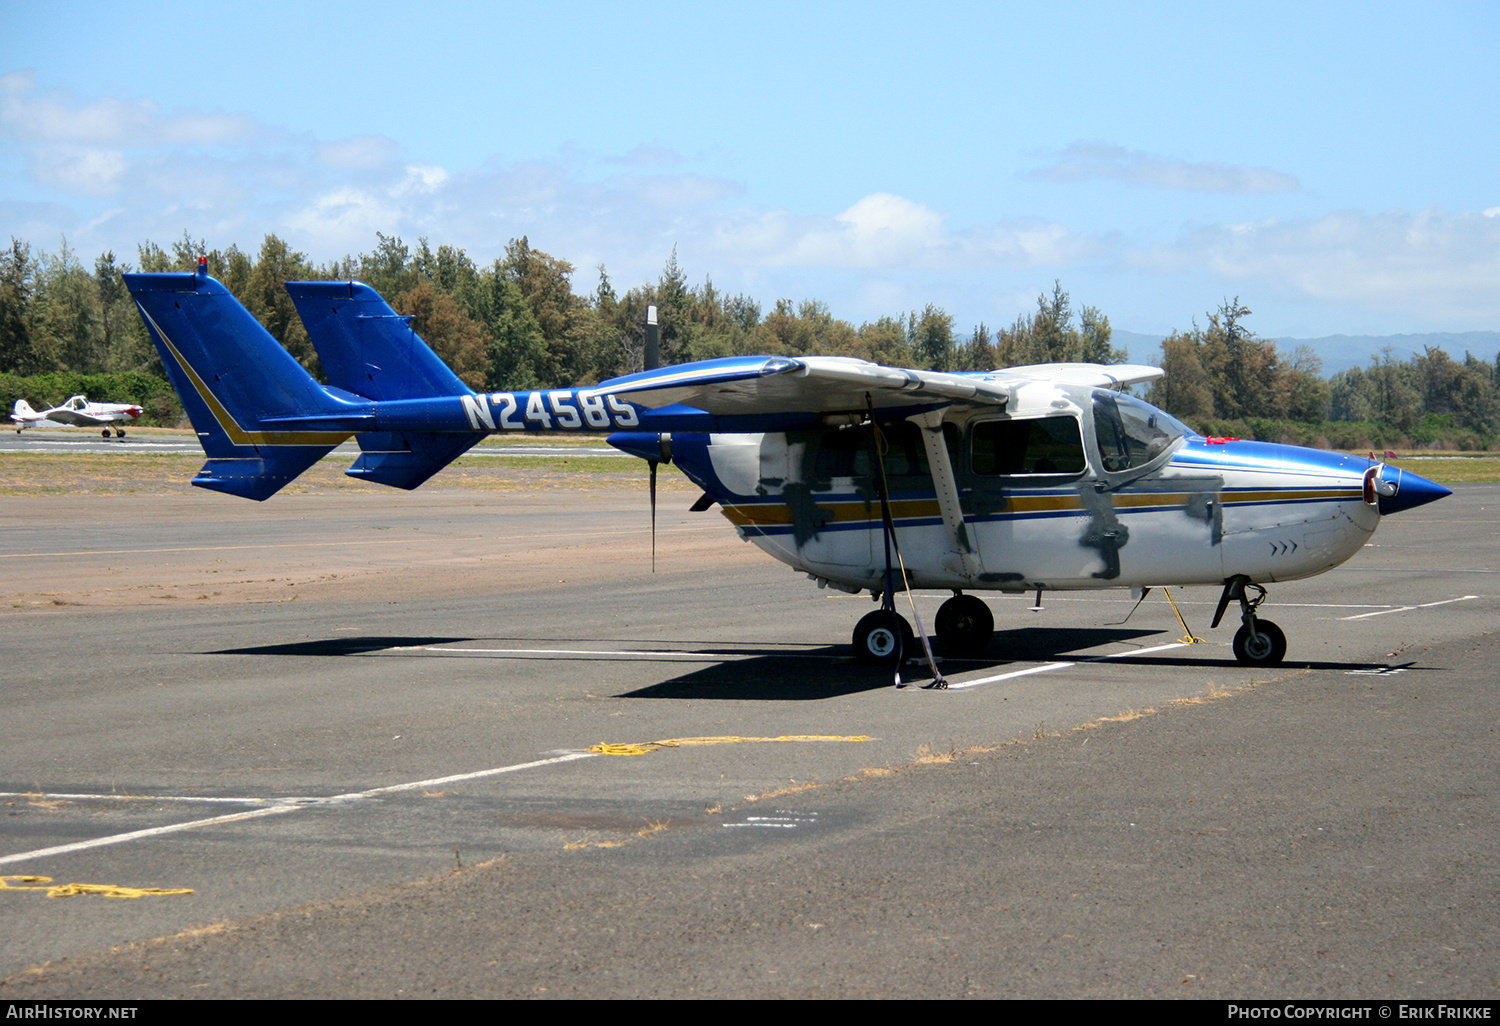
653	465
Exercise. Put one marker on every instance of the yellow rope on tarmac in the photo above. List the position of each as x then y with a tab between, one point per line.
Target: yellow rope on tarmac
44	883
646	747
1189	638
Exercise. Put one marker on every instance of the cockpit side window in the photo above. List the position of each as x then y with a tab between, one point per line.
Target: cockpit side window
847	452
1131	433
1041	445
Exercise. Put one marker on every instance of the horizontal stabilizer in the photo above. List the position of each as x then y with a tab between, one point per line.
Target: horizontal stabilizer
404	459
257	478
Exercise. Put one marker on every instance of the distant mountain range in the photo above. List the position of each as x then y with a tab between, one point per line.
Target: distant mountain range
1343	352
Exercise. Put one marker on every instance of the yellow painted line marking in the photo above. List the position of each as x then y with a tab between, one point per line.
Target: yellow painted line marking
646	747
54	796
44	883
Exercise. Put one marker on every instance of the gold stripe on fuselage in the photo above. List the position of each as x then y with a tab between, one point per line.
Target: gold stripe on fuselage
771	514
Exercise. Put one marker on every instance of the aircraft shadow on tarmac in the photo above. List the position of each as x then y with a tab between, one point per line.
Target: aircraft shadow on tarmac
804	672
339	646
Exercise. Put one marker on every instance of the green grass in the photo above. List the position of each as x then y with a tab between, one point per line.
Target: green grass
1447	470
51	473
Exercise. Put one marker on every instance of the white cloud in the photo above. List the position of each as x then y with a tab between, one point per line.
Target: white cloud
345	219
1439	265
59	117
1092	161
649	155
87	170
358	153
421	179
880	230
230	180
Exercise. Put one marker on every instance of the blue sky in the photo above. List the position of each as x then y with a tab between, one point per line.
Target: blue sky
1336	166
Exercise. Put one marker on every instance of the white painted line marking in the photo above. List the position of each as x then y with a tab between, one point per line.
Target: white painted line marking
134	835
1131	652
1404	609
288	805
785	821
1007	676
1416	570
476	775
1058	666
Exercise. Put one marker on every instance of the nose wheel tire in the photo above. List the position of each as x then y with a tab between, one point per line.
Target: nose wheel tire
882	637
964	625
1266	647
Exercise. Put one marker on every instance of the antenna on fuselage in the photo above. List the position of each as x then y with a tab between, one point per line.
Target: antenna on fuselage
653	341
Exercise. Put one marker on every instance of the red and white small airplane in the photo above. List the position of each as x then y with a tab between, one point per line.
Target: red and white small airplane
76	412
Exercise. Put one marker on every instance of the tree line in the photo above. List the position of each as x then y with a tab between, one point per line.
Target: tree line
519	323
1224	379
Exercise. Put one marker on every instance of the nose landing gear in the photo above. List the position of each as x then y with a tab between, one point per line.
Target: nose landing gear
1258	642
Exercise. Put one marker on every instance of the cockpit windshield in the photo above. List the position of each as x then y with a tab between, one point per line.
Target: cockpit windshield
1132	433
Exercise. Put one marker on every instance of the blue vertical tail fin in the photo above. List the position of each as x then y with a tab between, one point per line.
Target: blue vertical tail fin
369	349
236	382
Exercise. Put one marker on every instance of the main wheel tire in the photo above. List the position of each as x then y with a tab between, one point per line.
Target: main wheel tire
964	625
1267	647
882	637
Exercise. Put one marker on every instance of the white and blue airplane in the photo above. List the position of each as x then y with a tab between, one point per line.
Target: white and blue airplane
864	477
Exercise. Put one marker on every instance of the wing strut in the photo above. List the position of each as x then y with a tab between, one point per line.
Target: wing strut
960	557
888	523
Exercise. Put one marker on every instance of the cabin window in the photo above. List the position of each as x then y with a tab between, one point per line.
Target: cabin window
1131	433
846	452
1042	445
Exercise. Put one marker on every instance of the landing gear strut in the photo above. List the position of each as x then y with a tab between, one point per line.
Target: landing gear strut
1258	642
964	625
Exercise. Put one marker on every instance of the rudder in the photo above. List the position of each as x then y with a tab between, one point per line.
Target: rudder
235	381
369	349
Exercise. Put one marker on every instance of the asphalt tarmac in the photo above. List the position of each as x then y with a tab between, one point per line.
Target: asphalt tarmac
357	727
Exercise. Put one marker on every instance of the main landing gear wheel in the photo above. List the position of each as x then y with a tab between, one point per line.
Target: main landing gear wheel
1266	647
105	432
964	625
882	637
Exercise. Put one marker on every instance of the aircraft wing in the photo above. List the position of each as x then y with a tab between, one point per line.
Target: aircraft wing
833	384
76	418
816	384
1116	375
